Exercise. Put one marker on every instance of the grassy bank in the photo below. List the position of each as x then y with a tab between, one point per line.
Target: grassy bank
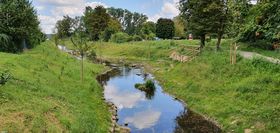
46	94
238	97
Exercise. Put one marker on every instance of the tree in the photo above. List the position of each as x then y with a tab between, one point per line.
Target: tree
165	28
131	22
19	26
148	29
114	26
179	27
96	21
262	23
65	27
238	11
202	16
222	17
80	42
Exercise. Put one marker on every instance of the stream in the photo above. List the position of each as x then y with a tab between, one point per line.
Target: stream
149	112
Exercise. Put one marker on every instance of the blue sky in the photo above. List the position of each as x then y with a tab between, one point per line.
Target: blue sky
50	11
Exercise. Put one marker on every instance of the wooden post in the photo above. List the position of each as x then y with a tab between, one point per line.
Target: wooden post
230	53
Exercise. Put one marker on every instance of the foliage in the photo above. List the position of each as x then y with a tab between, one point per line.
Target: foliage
5	42
64	27
203	17
120	37
4	77
262	22
91	54
137	38
18	25
113	27
165	28
96	21
148	29
79	40
149	85
179	27
238	12
131	22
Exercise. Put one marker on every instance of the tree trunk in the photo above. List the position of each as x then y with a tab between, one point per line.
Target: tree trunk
218	45
202	41
82	69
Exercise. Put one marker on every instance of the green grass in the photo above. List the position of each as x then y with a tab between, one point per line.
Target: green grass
238	97
46	93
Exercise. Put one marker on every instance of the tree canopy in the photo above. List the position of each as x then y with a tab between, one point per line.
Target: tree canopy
96	20
131	22
19	26
203	16
165	28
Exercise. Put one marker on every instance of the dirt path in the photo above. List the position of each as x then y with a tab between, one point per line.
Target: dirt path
251	55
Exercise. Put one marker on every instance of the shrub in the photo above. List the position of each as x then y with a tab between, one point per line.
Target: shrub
120	37
149	85
91	55
263	44
137	38
106	34
4	77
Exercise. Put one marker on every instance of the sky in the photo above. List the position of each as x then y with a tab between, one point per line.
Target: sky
49	11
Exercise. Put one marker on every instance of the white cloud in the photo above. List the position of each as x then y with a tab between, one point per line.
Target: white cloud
120	98
48	23
145	119
59	8
168	10
62	2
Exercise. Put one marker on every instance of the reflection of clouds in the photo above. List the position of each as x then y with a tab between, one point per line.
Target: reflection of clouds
123	99
145	119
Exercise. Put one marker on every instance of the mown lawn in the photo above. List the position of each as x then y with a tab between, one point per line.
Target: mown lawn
238	97
46	94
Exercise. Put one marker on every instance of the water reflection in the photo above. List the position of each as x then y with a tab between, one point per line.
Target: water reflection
122	99
190	122
145	119
152	111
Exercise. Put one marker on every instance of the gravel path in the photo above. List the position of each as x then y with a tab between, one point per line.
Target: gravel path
251	55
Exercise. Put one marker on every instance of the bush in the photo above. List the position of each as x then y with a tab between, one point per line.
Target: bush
106	34
137	38
91	55
120	37
263	44
149	85
151	36
4	77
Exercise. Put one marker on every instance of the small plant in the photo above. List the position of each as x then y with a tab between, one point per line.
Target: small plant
4	77
91	54
150	85
147	86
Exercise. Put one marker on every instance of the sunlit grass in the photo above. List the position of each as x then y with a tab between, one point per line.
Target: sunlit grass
46	93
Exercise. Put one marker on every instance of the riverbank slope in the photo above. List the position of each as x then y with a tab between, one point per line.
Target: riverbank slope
45	93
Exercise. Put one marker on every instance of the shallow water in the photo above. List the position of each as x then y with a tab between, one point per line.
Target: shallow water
148	112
